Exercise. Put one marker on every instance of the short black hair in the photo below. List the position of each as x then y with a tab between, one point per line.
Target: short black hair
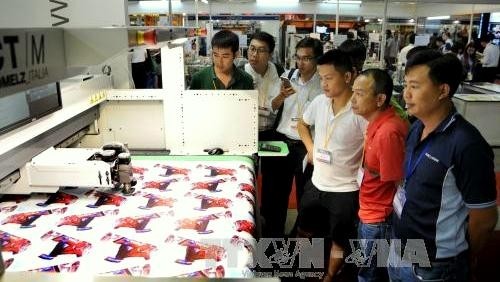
445	69
356	50
340	60
411	39
382	83
266	38
416	49
226	39
313	43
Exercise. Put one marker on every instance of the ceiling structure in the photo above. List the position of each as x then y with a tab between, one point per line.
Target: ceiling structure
364	1
368	8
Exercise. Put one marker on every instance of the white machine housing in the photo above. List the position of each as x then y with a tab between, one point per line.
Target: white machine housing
65	167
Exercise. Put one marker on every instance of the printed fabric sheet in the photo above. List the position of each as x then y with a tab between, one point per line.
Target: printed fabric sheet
186	218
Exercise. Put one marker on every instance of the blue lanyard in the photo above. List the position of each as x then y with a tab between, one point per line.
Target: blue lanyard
411	169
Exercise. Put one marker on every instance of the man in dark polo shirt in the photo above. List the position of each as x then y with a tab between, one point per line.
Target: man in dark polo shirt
223	74
445	209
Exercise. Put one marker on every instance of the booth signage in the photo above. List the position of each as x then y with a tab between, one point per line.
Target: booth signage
29	58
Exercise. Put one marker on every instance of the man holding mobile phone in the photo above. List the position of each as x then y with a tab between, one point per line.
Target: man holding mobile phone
298	88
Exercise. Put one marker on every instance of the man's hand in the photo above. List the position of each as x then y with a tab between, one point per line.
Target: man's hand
286	91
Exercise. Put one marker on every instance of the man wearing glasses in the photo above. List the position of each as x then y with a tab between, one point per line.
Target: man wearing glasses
266	77
300	86
223	74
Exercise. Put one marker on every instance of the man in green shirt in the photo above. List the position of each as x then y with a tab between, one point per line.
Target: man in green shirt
223	74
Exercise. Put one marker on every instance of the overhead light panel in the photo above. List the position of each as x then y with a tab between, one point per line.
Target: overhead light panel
343	1
438	18
204	1
277	1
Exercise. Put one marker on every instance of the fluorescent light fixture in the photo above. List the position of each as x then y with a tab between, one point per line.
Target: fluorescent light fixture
204	1
456	21
277	1
343	1
157	4
438	18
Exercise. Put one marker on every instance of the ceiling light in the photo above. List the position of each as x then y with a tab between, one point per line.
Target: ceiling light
204	1
343	1
411	20
277	1
367	21
438	18
456	21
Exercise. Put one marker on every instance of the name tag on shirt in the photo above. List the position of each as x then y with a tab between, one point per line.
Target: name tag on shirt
359	178
323	156
399	200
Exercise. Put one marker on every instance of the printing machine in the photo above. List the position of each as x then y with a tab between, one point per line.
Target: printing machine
116	114
90	140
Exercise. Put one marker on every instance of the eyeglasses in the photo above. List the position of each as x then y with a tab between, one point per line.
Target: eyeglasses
306	59
258	51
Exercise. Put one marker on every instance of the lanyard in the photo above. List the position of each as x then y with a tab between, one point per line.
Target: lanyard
300	107
329	131
411	169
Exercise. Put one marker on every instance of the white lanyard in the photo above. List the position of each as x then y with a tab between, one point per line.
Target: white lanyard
330	128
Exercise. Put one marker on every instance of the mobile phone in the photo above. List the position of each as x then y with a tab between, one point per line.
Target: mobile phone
286	82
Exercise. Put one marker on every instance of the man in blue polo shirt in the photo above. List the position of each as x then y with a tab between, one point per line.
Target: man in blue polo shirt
447	199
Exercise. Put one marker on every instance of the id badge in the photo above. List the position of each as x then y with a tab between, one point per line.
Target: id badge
399	200
293	123
359	178
324	156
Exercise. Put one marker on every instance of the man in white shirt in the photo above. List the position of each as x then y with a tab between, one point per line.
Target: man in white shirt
490	58
404	52
336	154
266	79
391	50
292	101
